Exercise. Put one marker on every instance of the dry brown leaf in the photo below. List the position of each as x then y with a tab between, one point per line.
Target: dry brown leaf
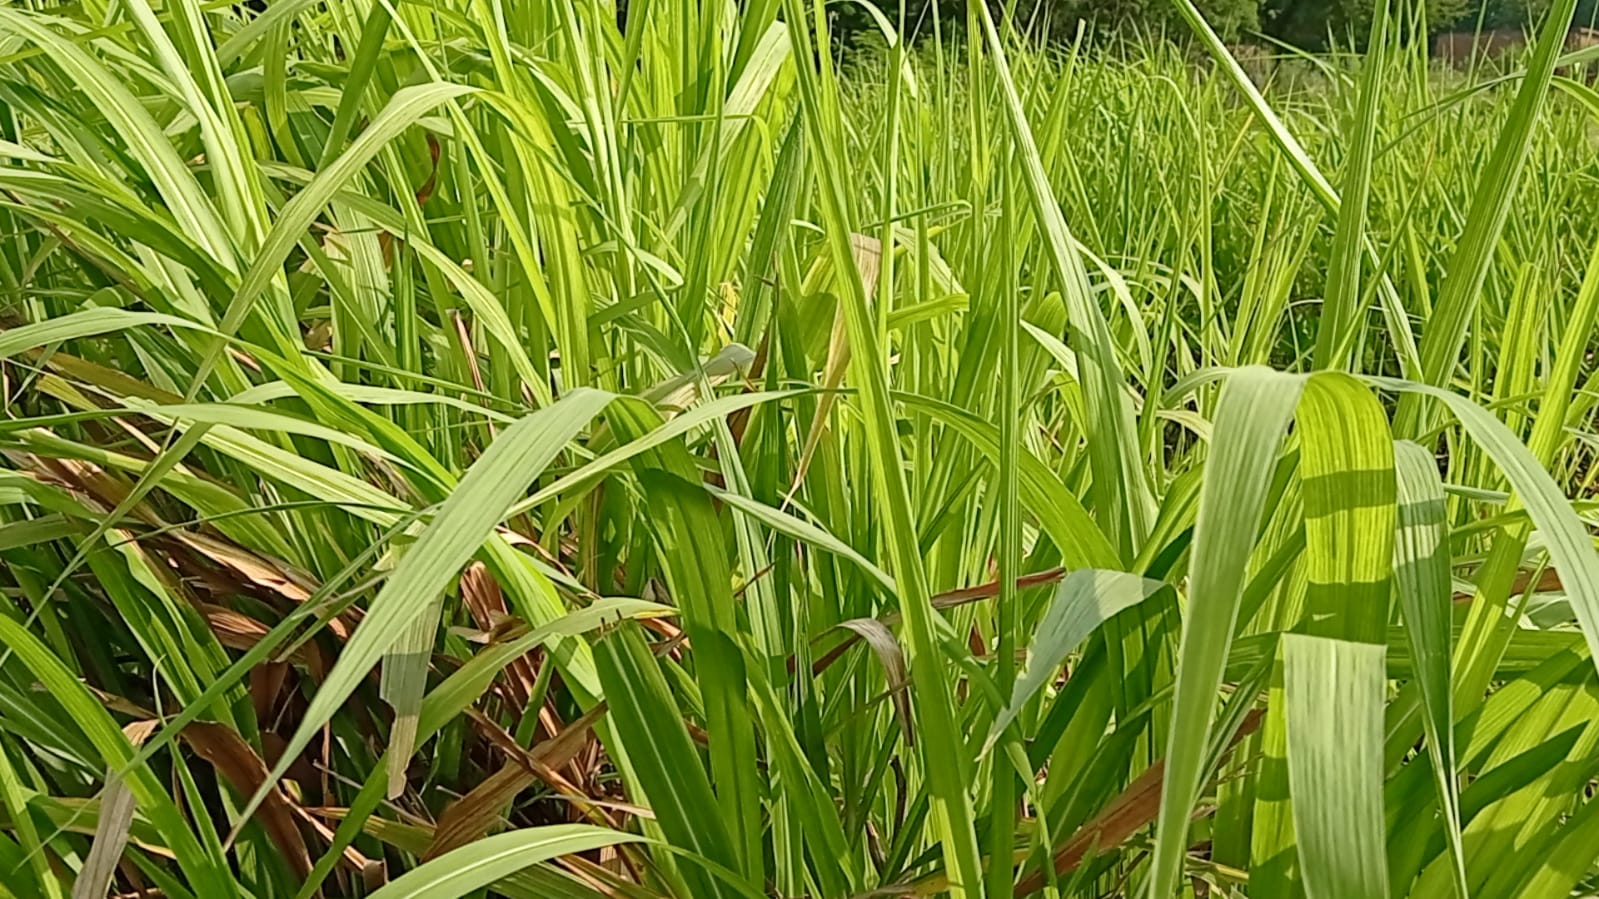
605	877
139	731
465	337
136	730
86	480
371	870
236	630
266	685
470	817
483	600
237	763
892	656
261	571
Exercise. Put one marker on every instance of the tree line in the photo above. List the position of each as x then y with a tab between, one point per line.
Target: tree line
1311	25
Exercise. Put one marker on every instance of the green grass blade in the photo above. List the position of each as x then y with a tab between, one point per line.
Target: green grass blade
88	323
471	868
804	531
1565	536
688	540
1334	690
1347	469
204	871
1120	488
1059	512
362	68
1256	405
648	723
1305	167
1421	577
180	191
296	217
1567	861
14	798
1083	601
1341	309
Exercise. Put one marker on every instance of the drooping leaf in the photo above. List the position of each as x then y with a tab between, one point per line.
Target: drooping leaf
1084	600
467	869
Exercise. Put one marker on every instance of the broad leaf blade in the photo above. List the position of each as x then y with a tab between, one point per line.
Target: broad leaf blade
1421	578
473	867
1334	690
649	725
1256	405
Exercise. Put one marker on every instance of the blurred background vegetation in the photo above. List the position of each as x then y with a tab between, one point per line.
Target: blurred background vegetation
1310	25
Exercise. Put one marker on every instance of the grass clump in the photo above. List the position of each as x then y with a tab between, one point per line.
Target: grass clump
506	449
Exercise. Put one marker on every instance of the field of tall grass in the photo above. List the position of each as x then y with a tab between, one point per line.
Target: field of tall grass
496	448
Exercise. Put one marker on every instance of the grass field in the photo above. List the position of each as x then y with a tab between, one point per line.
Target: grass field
475	448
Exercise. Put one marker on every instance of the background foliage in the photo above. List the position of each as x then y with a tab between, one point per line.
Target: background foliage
1300	24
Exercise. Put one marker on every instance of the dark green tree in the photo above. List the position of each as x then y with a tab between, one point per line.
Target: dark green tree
1346	22
1232	19
1312	24
1529	13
